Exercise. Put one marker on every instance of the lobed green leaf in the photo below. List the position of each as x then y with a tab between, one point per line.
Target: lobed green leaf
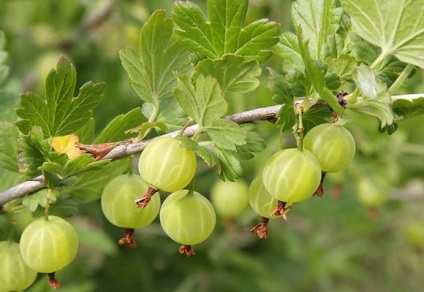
116	129
59	113
318	20
396	27
80	164
223	32
406	108
233	73
151	68
376	99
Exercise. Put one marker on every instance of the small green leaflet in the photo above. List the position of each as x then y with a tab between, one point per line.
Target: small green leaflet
59	113
397	27
80	164
205	104
34	151
406	108
343	66
115	130
376	99
317	76
88	186
151	68
388	70
39	199
227	162
318	20
288	50
170	114
223	32
233	73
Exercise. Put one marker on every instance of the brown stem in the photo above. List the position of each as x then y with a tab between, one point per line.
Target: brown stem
261	229
129	238
144	200
53	282
320	190
280	210
187	250
98	151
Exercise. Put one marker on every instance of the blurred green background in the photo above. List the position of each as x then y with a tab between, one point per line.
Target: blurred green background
365	234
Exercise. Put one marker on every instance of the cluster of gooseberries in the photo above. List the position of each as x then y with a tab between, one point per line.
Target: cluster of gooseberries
186	216
294	175
128	201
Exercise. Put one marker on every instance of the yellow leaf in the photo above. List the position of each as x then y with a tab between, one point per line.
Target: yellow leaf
66	144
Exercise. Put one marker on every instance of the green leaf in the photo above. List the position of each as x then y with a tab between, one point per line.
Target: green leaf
88	186
229	167
288	50
318	20
396	27
226	134
170	114
407	108
8	146
233	73
80	164
254	142
388	70
205	104
86	133
34	151
376	99
316	74
39	199
116	129
151	68
286	117
280	87
315	116
223	32
343	66
59	113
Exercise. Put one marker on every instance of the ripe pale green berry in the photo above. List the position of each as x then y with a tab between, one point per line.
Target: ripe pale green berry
291	175
15	275
332	144
166	165
48	244
260	199
229	198
187	217
118	202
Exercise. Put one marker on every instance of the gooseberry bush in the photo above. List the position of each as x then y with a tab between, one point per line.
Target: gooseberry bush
340	66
